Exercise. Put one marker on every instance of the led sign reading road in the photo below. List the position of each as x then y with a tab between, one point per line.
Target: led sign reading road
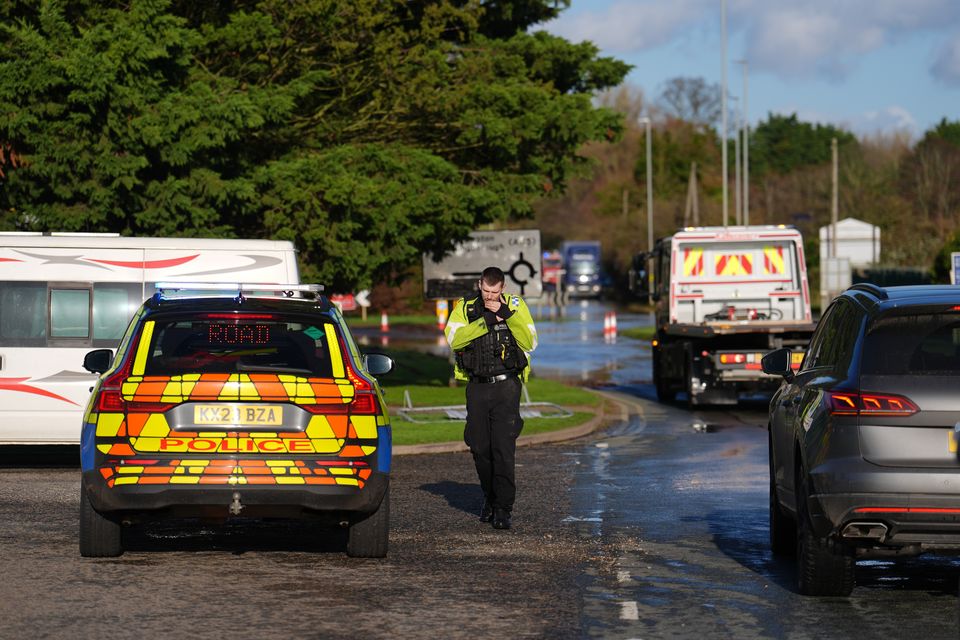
238	333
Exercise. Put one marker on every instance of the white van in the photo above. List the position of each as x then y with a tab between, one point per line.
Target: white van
64	294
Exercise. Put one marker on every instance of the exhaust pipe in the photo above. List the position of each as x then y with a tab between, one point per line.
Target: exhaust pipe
865	530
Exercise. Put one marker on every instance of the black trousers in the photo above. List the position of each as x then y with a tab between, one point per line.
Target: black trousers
493	425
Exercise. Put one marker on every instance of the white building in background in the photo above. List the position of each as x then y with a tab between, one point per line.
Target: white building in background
857	240
858	245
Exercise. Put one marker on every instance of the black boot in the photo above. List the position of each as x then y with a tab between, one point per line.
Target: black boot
501	519
486	511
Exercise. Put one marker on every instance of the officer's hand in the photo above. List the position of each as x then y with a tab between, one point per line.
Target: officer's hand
492	305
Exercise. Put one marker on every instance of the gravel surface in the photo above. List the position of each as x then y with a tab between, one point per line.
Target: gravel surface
447	574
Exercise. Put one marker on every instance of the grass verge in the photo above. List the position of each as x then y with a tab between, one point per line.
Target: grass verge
426	378
639	333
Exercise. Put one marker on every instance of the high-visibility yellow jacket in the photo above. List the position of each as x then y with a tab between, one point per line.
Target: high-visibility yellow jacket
460	331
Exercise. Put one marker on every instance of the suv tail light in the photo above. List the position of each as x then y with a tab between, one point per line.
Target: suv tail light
870	404
110	400
364	397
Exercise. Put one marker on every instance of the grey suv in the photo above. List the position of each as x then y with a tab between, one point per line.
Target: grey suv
863	437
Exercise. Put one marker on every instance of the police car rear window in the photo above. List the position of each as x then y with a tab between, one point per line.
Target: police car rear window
246	344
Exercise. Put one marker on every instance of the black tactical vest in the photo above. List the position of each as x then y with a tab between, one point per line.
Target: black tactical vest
494	353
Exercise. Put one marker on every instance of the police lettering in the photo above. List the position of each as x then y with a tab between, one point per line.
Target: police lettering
238	445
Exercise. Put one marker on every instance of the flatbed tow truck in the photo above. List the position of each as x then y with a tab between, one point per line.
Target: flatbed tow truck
724	297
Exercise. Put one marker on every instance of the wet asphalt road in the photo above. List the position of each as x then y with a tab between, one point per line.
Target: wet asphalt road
650	528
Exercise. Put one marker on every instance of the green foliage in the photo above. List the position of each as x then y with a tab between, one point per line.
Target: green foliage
946	130
942	263
674	147
367	132
784	143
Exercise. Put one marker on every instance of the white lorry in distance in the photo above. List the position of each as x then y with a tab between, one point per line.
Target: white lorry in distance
725	296
62	295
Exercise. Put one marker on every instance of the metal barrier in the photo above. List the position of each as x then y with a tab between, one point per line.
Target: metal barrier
459	411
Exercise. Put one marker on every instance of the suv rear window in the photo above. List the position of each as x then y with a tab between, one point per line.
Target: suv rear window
913	344
250	345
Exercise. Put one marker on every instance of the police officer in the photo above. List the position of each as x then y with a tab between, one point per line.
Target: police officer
491	336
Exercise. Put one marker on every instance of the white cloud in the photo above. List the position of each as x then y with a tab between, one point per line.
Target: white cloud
946	66
632	25
826	37
891	118
787	37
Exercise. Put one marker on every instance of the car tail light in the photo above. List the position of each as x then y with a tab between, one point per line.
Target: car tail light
364	397
363	403
733	358
870	404
109	399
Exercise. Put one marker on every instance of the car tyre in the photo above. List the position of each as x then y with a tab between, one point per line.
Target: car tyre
100	536
368	537
783	528
824	567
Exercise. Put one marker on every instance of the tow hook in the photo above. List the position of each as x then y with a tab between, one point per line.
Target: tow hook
235	506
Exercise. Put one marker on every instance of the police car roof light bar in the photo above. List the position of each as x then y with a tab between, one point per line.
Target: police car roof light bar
169	290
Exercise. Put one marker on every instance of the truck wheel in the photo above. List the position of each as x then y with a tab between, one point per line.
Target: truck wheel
368	538
664	394
824	567
783	530
692	401
99	535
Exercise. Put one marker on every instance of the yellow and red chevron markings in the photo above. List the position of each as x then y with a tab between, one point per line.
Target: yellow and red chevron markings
734	265
773	261
237	387
236	472
345	440
693	262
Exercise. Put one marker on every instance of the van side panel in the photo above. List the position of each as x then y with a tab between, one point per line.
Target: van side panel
43	386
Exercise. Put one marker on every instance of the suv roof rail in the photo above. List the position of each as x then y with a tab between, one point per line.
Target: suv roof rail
168	290
869	287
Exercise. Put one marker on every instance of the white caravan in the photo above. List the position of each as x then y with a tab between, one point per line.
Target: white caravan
62	295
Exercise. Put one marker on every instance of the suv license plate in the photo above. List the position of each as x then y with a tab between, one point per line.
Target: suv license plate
248	414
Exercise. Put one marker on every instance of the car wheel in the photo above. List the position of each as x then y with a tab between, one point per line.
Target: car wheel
783	529
824	567
99	535
664	394
368	538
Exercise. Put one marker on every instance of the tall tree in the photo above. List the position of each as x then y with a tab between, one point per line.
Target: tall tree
691	99
367	132
781	144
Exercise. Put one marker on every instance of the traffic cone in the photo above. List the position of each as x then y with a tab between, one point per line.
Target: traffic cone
606	324
613	322
384	322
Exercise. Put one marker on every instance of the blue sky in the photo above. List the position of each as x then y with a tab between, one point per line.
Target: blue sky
867	65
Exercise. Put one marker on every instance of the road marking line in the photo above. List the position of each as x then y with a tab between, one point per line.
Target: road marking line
629	611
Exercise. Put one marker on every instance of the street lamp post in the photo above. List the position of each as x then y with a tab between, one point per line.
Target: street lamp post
744	114
737	211
645	120
723	102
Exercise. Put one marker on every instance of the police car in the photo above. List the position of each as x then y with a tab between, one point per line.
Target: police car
236	401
